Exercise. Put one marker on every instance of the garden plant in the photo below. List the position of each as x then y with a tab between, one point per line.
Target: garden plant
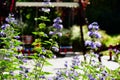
91	68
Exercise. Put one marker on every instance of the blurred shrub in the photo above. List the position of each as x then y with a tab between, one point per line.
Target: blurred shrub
76	37
65	40
72	36
109	40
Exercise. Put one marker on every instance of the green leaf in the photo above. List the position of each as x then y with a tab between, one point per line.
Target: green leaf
42	25
35	33
47	42
47	63
77	78
41	33
76	67
43	18
47	73
28	16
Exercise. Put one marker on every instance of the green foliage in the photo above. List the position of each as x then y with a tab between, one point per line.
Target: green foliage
43	18
108	40
65	40
74	33
8	60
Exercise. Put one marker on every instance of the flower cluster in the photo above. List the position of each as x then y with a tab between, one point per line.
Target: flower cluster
10	20
70	72
24	71
46	3
94	44
57	26
75	61
94	34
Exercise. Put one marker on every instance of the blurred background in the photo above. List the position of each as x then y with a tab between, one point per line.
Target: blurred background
106	13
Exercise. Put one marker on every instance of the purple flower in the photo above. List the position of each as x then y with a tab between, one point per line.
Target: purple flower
46	2
25	75
66	64
11	73
102	78
57	20
88	43
58	26
50	78
93	45
4	26
43	77
75	61
67	73
94	26
91	77
116	51
38	64
17	37
43	56
90	33
98	44
94	23
54	56
59	73
55	49
11	19
104	73
90	26
94	34
22	67
2	33
52	33
97	35
25	60
7	59
27	70
60	78
96	55
21	72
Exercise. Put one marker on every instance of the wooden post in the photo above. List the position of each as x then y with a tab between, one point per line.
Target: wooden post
82	21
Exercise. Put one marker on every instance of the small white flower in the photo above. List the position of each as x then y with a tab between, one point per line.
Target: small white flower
55	48
45	9
59	34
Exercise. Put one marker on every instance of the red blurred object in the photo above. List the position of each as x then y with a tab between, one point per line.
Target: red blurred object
65	49
27	51
85	3
111	47
12	5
